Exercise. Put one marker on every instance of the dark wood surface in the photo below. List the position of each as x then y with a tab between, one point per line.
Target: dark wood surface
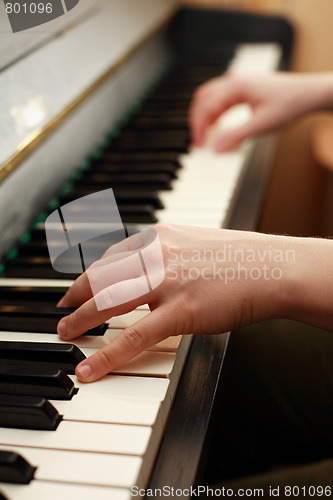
184	445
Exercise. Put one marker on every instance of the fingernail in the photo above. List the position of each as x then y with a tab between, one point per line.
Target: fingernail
84	370
62	329
61	302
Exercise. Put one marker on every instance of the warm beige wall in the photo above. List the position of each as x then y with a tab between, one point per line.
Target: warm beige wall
312	18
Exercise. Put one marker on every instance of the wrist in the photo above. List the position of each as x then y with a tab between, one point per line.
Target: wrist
320	91
308	287
272	295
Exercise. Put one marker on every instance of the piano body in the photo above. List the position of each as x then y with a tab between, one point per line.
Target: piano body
100	101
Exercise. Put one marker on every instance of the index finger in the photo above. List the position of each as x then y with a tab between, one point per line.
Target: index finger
78	293
154	328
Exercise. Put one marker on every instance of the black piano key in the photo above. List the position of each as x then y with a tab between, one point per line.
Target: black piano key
140	156
34	249
21	295
165	95
133	181
32	264
137	214
34	318
41	355
28	412
124	197
35	272
128	167
154	120
15	469
24	262
153	140
46	383
37	247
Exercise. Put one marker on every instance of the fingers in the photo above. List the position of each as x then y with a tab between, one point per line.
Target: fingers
264	119
85	317
202	115
231	140
152	329
78	293
101	274
120	262
112	301
209	102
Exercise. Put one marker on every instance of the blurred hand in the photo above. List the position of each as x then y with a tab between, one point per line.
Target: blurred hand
275	99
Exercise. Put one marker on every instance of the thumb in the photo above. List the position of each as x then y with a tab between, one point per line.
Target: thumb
260	123
153	328
233	138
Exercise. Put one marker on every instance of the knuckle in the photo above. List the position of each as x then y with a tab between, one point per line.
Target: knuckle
133	338
198	92
164	228
74	321
201	91
69	296
105	359
161	227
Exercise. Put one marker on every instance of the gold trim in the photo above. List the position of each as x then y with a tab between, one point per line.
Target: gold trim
38	136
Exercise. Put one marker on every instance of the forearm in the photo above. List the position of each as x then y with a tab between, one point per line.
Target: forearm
281	277
316	92
310	283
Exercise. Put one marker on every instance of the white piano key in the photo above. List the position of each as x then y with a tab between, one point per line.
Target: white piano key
143	307
127	319
83	408
55	491
82	436
30	282
81	468
125	386
148	363
256	58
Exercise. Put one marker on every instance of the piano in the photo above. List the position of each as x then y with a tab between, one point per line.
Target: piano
100	100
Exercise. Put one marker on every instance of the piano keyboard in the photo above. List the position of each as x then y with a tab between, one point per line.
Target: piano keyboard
109	432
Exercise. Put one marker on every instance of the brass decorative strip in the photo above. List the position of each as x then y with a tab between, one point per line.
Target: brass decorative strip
38	136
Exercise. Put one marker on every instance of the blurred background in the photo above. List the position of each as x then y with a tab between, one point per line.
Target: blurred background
299	198
312	19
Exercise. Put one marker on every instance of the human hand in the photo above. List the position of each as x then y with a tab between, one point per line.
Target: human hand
210	286
275	100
